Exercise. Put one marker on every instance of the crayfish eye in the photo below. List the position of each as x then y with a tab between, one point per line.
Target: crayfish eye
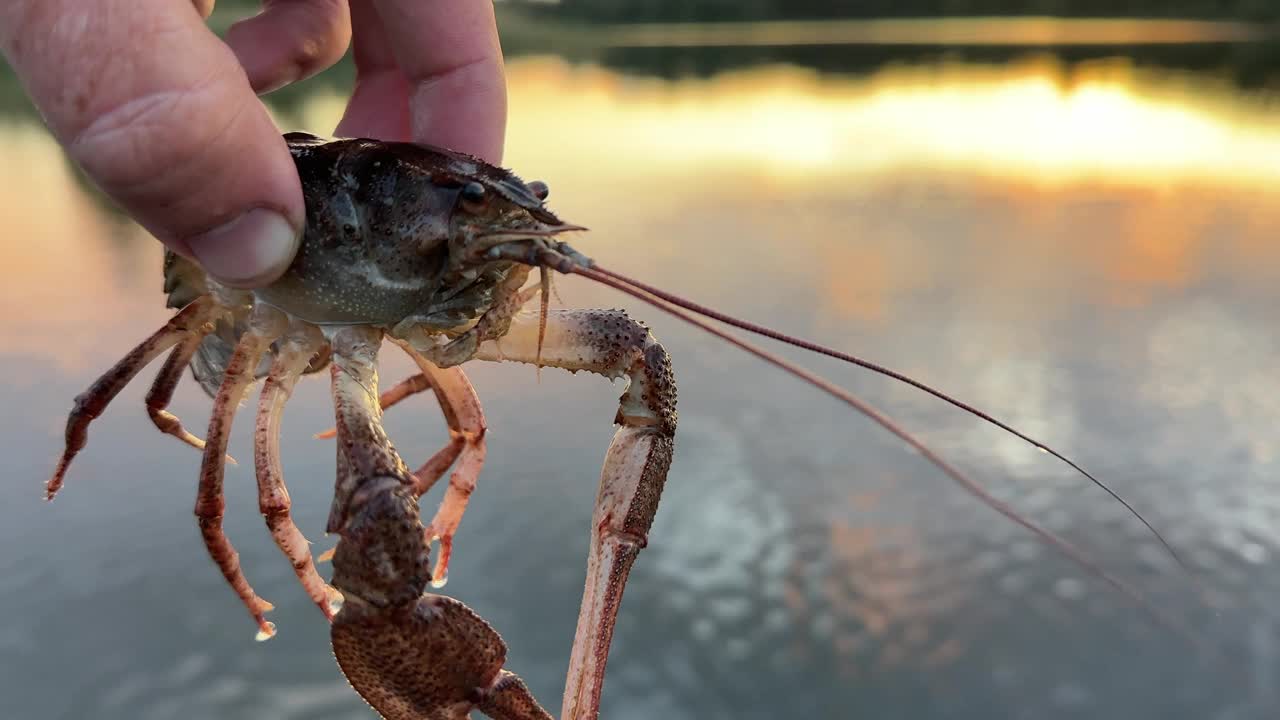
539	189
473	192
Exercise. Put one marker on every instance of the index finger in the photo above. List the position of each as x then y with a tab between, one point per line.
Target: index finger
449	51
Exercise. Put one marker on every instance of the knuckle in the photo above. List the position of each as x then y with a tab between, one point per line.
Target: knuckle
311	34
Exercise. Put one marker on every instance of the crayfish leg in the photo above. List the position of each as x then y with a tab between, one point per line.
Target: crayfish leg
461	407
292	358
92	402
406	388
265	325
462	412
411	655
166	382
363	448
610	343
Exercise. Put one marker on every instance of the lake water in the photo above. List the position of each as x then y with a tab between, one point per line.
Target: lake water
1089	253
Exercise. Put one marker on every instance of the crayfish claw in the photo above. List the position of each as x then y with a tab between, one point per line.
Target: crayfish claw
435	658
509	697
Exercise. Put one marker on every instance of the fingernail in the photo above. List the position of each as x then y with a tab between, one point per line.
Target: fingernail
247	252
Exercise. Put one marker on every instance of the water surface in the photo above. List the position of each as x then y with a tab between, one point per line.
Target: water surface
1088	253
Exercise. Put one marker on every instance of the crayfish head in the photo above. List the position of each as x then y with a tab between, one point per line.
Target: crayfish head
494	211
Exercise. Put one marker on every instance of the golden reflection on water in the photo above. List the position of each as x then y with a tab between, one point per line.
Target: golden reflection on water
1111	172
1035	121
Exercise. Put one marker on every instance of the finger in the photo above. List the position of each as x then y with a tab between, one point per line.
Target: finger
379	105
450	54
290	40
160	115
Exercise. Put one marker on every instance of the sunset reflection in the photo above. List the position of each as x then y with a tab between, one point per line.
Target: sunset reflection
1035	121
1117	172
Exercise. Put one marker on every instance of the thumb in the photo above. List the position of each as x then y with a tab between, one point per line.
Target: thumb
159	114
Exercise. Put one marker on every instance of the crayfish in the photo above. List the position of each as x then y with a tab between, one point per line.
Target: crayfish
433	251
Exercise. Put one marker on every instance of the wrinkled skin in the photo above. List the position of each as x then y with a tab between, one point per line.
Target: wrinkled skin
430	249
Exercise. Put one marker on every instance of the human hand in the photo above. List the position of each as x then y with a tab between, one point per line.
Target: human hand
164	117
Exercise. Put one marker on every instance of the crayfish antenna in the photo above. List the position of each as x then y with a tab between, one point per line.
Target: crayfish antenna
1164	618
887	372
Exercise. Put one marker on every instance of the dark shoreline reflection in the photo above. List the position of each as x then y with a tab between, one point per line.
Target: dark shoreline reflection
1244	53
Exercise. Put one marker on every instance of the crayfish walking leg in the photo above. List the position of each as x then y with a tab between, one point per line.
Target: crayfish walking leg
193	321
162	389
295	351
461	408
265	325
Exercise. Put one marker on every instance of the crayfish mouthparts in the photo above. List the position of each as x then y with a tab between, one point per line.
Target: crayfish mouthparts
556	255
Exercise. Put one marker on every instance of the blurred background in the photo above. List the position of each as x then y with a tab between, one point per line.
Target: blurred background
1068	221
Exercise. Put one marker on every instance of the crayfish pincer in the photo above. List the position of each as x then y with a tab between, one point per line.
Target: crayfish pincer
433	251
